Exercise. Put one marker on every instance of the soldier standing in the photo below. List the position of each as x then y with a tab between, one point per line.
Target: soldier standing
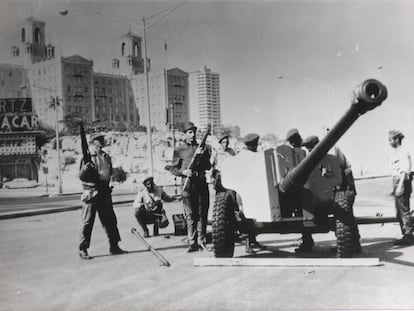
219	155
97	198
401	180
196	194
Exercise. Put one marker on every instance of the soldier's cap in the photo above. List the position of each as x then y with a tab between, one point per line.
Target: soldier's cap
149	178
291	133
223	137
396	134
96	136
188	126
310	141
251	138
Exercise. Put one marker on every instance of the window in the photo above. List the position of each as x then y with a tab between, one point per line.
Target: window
23	35
123	49
38	36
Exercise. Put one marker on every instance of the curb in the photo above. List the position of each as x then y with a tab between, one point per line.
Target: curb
10	215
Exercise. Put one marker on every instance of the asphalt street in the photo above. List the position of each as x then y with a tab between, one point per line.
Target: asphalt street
41	270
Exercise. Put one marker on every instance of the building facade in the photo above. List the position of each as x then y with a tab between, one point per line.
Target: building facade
205	104
114	101
169	98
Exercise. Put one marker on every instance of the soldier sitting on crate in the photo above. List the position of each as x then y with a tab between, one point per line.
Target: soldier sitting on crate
148	207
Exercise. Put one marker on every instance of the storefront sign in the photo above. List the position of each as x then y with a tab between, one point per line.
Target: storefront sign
15	144
16	115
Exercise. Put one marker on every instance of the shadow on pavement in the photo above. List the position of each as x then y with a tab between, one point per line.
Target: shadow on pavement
377	247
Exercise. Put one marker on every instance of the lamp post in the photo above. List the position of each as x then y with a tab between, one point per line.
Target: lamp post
55	102
157	16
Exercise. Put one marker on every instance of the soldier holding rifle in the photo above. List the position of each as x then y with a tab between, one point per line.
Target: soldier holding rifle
95	174
190	161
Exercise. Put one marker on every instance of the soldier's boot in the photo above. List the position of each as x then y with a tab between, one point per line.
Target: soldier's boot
83	253
114	249
156	228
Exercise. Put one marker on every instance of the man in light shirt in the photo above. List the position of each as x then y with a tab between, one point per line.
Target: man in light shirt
97	199
401	178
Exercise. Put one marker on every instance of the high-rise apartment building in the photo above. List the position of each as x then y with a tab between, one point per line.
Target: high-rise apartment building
205	104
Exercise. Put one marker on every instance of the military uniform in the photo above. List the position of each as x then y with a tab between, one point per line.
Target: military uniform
196	195
148	207
97	198
400	162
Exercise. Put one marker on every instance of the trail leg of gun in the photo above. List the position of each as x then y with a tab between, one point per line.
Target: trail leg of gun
160	257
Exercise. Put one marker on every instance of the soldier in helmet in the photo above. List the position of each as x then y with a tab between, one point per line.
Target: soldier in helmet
196	194
401	178
219	155
97	198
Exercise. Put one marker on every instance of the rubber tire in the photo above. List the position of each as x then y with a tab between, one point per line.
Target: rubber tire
343	217
223	225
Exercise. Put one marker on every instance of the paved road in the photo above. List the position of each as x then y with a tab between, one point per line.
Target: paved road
40	270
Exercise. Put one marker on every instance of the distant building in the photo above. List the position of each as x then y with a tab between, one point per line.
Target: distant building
81	92
169	98
114	101
205	104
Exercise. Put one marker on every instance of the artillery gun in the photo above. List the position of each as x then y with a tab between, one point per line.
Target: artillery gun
283	190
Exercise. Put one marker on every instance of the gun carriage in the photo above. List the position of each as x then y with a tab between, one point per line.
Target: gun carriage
283	190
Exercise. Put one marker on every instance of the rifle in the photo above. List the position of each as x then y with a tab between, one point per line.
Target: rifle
196	155
88	172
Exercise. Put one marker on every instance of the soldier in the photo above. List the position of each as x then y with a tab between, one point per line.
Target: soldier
252	142
294	139
310	142
97	198
219	155
148	206
401	179
348	185
196	194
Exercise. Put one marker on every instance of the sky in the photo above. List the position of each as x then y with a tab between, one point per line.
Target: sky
282	64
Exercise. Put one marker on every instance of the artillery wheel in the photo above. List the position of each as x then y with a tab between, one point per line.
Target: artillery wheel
223	225
343	216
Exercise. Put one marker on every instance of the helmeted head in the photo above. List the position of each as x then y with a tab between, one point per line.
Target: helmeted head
97	140
224	141
294	138
149	183
251	141
395	138
310	142
190	131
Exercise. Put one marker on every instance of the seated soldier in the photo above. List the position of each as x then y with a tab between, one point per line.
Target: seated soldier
148	207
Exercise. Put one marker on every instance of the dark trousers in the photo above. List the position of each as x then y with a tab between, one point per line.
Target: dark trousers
102	204
145	217
402	207
196	211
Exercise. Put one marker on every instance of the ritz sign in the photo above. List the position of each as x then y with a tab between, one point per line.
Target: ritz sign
16	115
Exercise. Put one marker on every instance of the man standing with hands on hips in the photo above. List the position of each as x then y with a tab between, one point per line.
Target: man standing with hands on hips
195	193
401	180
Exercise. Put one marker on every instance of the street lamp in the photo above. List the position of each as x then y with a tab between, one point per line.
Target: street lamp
55	102
157	16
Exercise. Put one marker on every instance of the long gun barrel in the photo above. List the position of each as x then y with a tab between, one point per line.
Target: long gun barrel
85	150
367	96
